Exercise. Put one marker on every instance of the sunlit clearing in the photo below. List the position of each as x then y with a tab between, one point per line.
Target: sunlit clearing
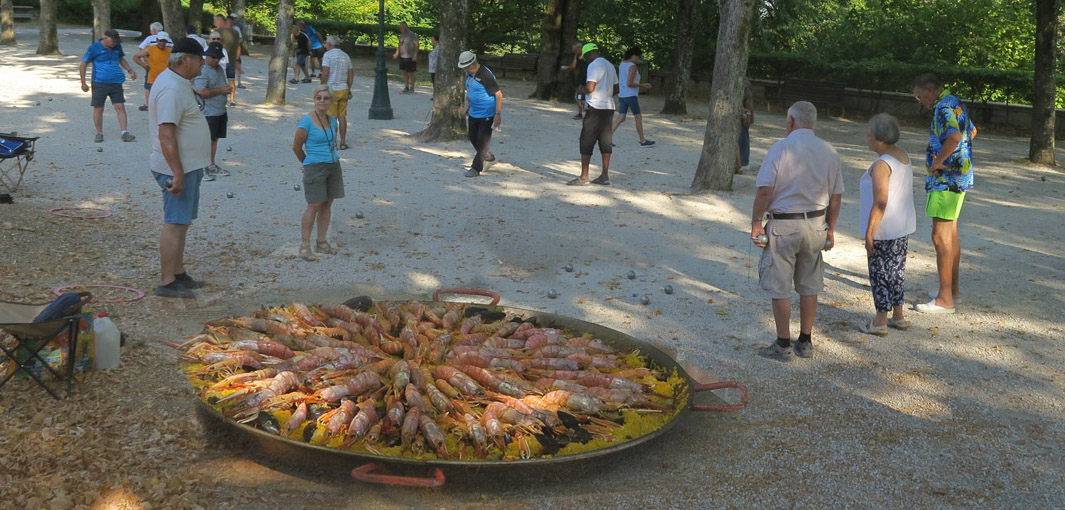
438	152
424	280
116	499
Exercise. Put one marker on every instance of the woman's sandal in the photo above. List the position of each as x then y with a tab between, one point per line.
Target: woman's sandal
306	254
901	325
872	329
324	247
344	147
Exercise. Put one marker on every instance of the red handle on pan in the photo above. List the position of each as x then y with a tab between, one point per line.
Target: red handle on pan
365	473
471	292
721	407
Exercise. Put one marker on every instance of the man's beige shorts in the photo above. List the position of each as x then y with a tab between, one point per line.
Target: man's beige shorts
339	108
793	258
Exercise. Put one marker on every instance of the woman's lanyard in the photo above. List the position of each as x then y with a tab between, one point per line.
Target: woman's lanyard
331	137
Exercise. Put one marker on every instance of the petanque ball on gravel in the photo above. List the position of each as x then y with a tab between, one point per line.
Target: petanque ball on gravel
631	275
99	149
296	187
229	148
229	195
358	214
38	103
1043	178
552	293
49	99
645	299
668	289
568	268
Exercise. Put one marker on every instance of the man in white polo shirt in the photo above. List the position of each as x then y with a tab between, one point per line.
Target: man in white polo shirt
601	87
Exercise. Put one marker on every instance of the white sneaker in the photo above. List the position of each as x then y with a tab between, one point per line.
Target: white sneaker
932	307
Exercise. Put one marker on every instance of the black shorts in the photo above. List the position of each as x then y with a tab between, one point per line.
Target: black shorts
217	124
102	91
231	70
318	53
407	64
596	127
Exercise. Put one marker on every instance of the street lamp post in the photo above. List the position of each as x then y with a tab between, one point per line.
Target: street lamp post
381	107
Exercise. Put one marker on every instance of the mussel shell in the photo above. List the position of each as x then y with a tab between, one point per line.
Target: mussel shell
268	422
360	303
308	431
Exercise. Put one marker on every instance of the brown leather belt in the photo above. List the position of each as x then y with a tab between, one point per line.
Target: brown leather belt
797	215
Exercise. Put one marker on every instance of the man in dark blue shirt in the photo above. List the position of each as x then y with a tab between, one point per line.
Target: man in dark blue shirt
484	104
108	60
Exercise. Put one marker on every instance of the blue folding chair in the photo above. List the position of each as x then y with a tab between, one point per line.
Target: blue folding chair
16	152
26	329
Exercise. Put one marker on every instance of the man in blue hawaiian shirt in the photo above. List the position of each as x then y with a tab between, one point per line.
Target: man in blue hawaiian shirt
950	176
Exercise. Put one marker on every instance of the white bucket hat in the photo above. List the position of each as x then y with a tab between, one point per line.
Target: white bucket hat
467	58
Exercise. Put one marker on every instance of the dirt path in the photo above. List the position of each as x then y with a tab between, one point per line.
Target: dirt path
959	412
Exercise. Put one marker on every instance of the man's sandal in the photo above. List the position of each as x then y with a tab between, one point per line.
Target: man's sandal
306	254
324	247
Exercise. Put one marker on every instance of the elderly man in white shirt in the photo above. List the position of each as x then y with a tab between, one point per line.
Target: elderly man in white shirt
800	186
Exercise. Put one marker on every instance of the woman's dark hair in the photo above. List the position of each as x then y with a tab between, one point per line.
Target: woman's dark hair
635	50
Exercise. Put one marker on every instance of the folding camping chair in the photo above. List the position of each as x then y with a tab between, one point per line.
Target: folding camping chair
29	328
16	152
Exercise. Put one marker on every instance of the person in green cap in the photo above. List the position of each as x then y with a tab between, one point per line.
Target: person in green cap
598	122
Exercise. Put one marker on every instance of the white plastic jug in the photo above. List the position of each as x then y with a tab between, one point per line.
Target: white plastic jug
108	340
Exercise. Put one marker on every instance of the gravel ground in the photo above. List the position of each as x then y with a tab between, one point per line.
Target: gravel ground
961	411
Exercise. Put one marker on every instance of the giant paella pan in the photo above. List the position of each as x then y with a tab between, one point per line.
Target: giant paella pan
437	382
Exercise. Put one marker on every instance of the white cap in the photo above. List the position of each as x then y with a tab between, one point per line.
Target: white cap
467	58
164	36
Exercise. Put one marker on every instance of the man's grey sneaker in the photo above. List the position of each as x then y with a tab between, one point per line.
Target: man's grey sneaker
775	351
186	281
488	163
220	171
174	290
99	138
803	348
207	175
472	173
128	137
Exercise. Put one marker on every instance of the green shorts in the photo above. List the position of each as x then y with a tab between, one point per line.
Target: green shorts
945	205
322	181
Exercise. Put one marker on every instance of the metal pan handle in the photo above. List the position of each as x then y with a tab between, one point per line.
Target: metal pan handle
365	473
470	292
721	407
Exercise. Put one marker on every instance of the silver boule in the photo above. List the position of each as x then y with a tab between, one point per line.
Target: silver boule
668	289
229	148
99	149
762	239
229	195
828	243
631	275
645	299
568	268
552	293
358	214
296	187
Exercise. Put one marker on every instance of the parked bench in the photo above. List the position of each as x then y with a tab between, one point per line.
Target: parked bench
820	93
24	12
518	62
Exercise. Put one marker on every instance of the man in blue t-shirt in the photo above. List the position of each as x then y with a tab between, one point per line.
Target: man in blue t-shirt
484	104
108	61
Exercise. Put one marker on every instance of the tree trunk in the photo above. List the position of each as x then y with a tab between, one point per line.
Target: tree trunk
173	21
245	34
149	13
1041	149
196	15
48	38
558	33
276	85
448	122
717	161
101	18
7	23
677	101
